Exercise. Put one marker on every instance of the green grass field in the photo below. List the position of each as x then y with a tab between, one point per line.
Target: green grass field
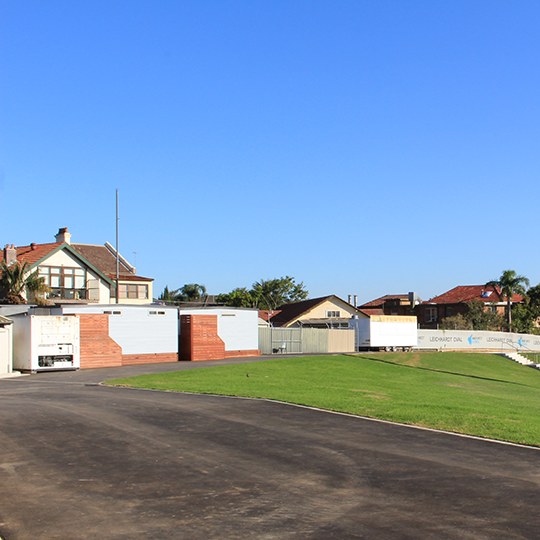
478	394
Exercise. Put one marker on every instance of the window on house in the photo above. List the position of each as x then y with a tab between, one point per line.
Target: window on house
114	313
133	291
65	282
333	314
153	313
430	315
448	312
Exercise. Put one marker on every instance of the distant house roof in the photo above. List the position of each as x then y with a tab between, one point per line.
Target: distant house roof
371	311
380	301
467	293
289	312
266	314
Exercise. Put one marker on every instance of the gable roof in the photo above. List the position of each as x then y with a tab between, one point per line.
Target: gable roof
288	313
467	293
34	254
101	259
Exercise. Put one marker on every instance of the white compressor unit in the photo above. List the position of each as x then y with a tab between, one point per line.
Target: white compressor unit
46	343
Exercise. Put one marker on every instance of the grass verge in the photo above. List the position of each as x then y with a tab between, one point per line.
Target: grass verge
477	394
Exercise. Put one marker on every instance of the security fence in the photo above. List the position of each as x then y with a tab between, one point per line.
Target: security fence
305	340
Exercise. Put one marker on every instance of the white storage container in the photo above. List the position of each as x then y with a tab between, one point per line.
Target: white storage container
386	332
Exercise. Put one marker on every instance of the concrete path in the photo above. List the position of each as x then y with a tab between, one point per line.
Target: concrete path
80	461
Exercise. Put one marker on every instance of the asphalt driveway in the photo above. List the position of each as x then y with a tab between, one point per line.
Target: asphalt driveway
80	461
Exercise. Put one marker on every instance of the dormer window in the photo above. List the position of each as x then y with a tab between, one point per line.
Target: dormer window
487	294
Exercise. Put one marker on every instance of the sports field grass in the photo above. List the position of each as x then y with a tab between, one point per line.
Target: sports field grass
478	394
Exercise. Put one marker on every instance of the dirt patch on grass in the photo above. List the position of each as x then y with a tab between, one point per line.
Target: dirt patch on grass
412	359
369	394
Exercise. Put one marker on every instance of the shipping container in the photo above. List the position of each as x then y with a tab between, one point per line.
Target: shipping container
386	332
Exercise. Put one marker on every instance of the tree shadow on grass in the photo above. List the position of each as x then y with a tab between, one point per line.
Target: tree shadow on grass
447	372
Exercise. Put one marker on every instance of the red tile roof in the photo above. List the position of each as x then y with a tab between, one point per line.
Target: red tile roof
467	293
265	314
125	277
101	258
380	301
98	256
33	253
371	311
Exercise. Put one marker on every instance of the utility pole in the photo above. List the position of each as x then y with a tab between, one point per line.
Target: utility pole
117	254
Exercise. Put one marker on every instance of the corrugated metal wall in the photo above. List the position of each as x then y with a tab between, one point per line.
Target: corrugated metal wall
305	340
341	341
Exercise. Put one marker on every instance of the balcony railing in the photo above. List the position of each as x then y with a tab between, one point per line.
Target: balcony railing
68	294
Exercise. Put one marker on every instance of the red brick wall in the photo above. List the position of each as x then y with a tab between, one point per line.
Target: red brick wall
242	354
199	340
136	359
97	348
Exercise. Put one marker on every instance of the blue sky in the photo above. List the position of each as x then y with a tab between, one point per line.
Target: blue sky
362	147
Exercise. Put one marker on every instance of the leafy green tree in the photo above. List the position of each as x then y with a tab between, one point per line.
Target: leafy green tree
481	319
239	297
187	293
456	322
523	318
15	281
165	296
266	294
533	295
526	315
272	293
510	283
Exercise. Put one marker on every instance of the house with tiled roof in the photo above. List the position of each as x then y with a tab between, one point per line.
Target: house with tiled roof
454	302
81	273
324	312
391	304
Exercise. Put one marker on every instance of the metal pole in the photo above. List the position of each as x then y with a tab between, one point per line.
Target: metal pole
117	256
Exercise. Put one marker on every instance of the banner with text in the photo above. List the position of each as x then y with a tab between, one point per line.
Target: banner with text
469	339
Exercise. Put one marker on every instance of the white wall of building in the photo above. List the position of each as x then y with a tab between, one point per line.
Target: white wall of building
6	349
137	329
238	328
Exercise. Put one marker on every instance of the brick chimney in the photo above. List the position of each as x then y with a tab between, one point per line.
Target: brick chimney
63	236
10	254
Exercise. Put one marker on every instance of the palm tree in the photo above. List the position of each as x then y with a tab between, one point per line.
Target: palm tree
15	281
192	291
509	284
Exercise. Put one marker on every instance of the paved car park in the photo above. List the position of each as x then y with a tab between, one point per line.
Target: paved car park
80	461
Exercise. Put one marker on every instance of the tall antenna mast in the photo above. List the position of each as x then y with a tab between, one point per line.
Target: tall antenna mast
117	255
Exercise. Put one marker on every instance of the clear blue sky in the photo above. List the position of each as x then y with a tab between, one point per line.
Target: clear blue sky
363	147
